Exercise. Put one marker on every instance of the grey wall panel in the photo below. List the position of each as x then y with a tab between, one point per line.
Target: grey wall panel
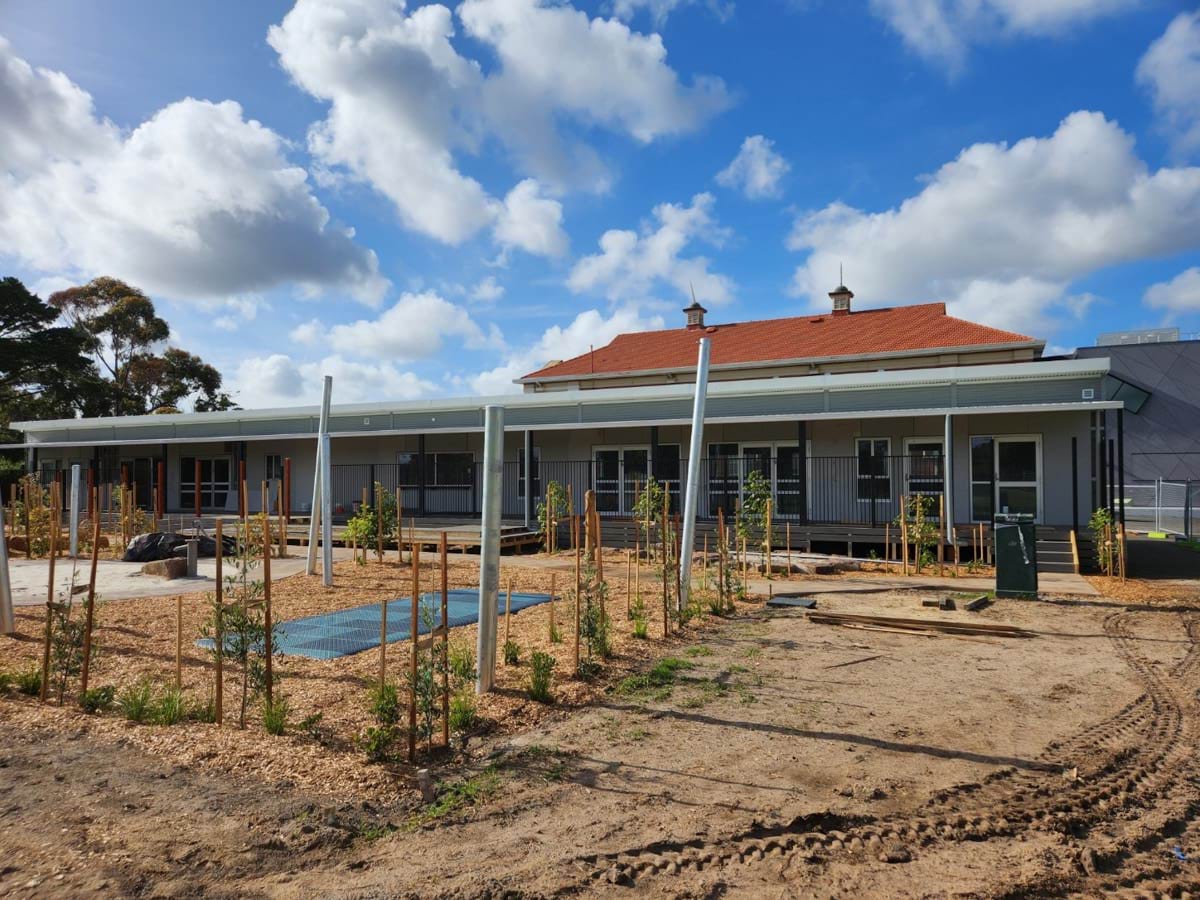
206	430
373	422
918	397
453	418
147	432
80	434
279	426
635	412
1062	390
780	404
530	416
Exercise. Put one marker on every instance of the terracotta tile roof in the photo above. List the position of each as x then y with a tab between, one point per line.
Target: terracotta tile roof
819	336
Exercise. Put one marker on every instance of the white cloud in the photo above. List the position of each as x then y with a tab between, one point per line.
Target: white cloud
659	10
1019	221
943	30
591	328
597	70
1171	70
307	333
757	169
278	380
531	222
631	266
1180	294
487	290
196	202
405	106
415	327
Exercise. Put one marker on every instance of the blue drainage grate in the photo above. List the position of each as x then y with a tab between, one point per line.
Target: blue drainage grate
345	631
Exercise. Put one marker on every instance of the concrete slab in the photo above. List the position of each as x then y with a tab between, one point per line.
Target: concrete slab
116	580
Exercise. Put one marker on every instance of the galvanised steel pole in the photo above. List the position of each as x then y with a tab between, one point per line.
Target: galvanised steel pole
7	625
74	511
326	512
695	448
314	522
489	550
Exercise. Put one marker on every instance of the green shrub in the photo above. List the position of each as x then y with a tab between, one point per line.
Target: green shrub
29	682
205	712
136	701
462	662
589	669
556	636
171	707
463	715
641	629
98	699
512	653
275	715
385	704
377	742
312	727
6	681
541	675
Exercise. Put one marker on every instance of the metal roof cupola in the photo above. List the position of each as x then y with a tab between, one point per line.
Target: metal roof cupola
695	314
841	297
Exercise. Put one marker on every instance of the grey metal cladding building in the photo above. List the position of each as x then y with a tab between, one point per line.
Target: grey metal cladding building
1160	383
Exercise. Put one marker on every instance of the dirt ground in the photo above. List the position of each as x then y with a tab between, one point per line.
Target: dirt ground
769	756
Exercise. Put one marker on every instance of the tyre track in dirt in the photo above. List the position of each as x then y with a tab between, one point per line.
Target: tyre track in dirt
1138	759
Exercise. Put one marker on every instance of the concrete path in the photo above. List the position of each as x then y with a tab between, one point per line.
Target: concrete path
116	580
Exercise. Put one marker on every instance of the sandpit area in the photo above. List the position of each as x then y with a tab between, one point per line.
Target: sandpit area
754	754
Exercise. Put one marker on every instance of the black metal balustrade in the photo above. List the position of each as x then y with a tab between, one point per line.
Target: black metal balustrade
832	490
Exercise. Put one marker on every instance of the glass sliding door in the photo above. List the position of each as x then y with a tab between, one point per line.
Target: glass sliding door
787	481
635	468
214	482
874	473
1017	481
1005	476
620	473
724	487
923	469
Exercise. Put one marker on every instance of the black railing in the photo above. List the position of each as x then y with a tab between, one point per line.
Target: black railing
830	489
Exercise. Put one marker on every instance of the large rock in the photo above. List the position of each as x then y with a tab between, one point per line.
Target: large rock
166	568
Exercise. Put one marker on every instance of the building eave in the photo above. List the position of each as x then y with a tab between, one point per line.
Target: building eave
810	396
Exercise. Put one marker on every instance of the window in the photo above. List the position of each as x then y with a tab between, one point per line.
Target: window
450	469
273	470
1005	476
874	472
214	482
407	472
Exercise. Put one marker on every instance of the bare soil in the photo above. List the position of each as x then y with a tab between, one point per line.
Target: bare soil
776	758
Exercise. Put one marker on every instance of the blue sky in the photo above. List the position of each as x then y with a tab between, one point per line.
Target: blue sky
424	199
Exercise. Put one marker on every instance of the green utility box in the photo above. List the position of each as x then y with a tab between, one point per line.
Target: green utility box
1016	555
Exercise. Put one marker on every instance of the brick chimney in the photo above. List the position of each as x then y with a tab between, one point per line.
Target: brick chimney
695	315
841	297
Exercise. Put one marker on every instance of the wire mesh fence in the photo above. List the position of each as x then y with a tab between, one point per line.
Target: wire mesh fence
1162	506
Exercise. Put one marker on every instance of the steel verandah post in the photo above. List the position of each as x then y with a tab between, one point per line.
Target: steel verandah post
316	507
489	556
691	496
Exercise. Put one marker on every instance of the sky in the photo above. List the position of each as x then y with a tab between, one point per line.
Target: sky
424	199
